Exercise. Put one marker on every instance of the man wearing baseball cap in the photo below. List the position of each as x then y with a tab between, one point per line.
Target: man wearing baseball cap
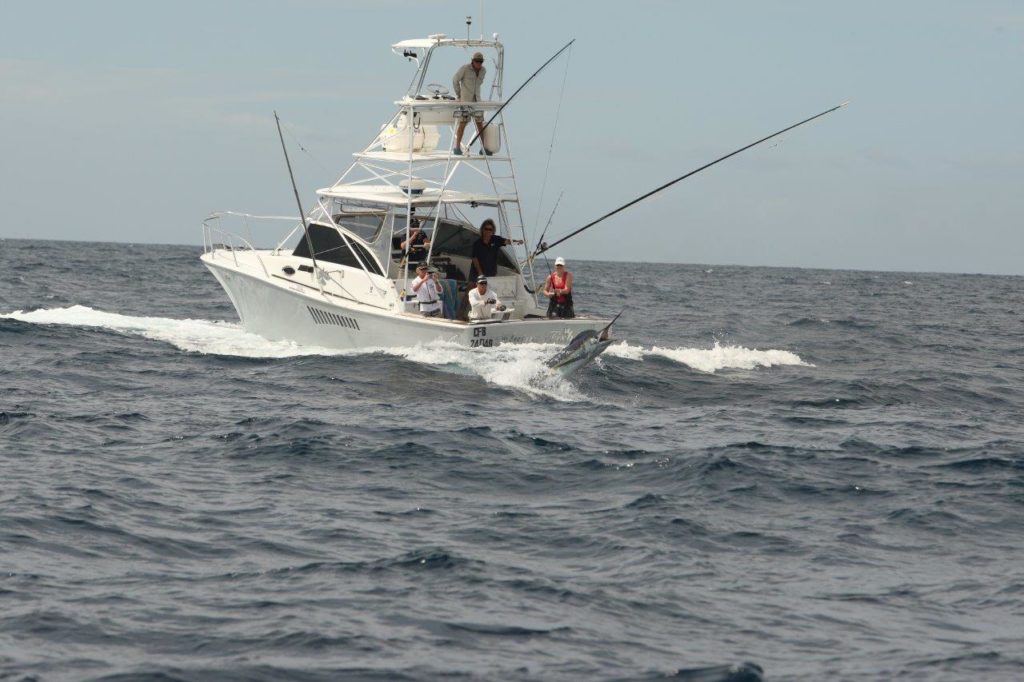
466	85
482	301
428	290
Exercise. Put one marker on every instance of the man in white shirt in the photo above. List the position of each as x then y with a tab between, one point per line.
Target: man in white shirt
482	301
428	291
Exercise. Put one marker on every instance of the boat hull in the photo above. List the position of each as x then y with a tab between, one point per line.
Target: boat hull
283	311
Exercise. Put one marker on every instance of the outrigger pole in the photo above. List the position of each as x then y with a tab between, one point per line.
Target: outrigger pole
542	247
302	214
525	83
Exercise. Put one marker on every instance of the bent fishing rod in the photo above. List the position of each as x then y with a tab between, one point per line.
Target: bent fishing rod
525	83
542	247
295	189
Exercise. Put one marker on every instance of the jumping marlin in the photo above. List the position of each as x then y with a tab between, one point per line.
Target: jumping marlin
582	350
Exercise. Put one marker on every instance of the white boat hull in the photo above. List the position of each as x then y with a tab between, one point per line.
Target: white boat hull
283	310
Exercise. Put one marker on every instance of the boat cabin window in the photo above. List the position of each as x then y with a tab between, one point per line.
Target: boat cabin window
366	225
328	245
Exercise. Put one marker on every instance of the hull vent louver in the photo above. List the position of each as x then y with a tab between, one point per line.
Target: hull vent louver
324	317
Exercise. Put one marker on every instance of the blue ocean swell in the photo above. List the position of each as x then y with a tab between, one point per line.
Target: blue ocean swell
180	514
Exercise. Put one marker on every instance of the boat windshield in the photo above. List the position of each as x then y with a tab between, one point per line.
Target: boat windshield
328	245
367	225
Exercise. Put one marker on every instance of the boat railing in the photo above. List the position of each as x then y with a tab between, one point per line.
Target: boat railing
238	235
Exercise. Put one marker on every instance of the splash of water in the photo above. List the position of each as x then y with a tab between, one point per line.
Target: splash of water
711	360
520	367
194	336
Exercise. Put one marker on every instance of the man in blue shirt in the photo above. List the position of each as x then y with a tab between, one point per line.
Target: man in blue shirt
485	251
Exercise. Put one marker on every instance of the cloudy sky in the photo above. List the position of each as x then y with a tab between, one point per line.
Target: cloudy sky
131	121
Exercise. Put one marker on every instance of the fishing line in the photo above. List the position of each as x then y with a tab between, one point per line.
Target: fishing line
302	147
551	146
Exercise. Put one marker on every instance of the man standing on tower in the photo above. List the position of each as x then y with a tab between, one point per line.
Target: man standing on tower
466	84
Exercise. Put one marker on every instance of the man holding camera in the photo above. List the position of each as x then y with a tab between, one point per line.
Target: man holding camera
427	288
482	301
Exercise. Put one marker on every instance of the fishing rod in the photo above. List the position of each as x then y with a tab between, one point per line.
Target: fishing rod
550	218
540	241
547	263
302	214
495	114
544	247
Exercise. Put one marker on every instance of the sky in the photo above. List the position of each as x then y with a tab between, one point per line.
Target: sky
132	121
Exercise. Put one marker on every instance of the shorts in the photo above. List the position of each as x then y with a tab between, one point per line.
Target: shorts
465	112
562	311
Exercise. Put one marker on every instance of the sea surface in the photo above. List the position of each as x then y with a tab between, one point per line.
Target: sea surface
819	473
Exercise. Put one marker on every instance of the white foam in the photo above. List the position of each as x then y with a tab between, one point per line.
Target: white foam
711	360
626	350
519	366
194	336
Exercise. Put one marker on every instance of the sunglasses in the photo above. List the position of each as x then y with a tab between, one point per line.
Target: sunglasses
478	61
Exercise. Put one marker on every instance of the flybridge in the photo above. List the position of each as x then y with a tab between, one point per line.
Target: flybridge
411	169
388	195
421	50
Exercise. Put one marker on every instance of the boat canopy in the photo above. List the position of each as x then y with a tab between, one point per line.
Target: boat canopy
441	39
390	195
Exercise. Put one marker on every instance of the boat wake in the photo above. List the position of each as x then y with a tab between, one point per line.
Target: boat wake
518	367
194	336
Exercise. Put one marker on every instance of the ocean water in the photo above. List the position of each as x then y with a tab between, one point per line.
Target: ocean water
820	473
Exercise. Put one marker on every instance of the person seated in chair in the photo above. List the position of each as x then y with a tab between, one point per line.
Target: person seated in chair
482	301
417	244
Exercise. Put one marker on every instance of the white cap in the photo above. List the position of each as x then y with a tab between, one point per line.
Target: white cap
559	261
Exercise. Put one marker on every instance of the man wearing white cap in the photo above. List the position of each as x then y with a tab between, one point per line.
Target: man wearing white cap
428	291
558	289
482	301
466	85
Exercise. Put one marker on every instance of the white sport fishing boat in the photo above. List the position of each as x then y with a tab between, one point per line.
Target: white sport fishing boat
341	278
